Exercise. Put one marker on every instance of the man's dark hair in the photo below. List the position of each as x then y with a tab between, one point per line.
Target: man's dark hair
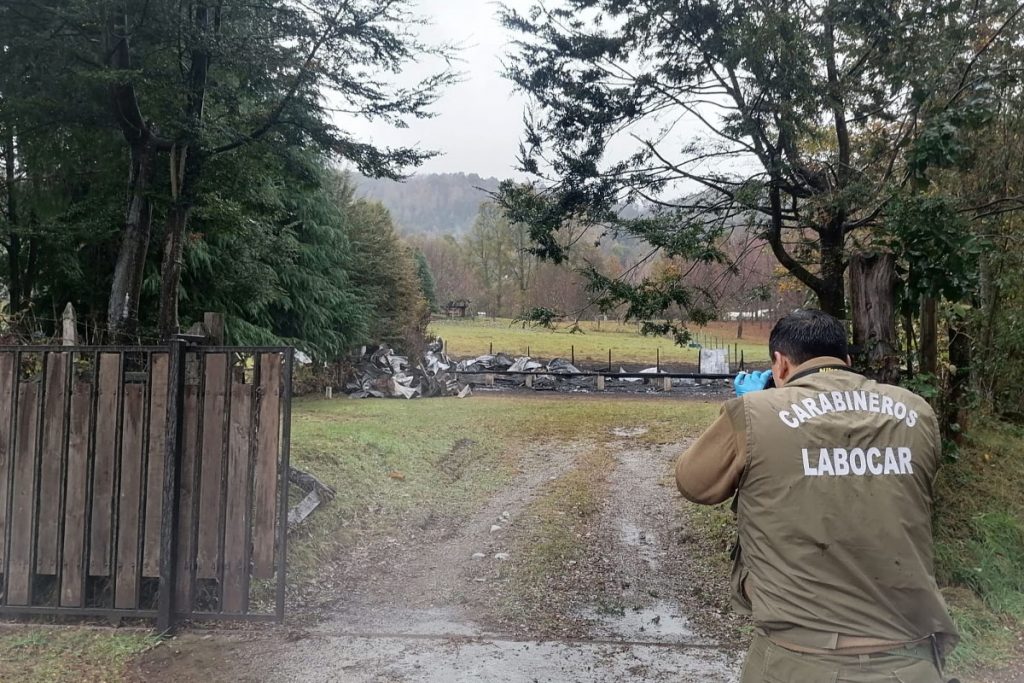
806	334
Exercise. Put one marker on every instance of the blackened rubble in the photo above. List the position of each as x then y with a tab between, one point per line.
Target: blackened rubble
385	374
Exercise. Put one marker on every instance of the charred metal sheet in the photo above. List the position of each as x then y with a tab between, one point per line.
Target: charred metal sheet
383	373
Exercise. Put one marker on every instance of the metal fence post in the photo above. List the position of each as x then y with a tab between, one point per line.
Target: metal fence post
171	484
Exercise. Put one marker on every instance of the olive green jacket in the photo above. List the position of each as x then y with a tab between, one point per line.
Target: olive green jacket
832	476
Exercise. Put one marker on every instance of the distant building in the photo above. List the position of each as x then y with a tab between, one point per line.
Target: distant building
456	308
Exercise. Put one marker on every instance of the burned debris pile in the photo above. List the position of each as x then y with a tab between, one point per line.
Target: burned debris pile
501	362
384	374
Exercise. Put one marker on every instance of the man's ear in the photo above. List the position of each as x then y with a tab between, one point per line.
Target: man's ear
782	368
849	361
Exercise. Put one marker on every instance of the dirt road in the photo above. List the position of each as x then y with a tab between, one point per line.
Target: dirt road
643	602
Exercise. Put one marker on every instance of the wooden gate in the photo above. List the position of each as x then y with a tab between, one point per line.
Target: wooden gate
144	481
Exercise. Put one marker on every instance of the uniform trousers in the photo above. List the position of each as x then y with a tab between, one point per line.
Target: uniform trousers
771	663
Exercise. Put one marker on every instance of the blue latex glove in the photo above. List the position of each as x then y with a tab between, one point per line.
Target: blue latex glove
745	382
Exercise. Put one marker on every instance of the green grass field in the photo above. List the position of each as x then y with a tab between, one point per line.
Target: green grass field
470	337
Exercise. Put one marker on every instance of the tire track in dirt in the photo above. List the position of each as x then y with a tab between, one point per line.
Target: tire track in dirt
661	583
432	581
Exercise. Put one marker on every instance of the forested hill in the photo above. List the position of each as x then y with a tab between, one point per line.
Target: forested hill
432	203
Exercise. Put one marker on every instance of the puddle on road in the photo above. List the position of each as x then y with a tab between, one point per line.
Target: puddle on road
643	541
661	622
442	621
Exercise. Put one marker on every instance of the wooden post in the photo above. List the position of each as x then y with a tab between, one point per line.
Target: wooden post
742	364
490	349
600	382
214	324
329	391
609	360
489	380
658	359
667	384
528	352
171	485
529	381
69	331
572	353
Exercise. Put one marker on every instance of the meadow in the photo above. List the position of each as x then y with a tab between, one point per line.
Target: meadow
470	337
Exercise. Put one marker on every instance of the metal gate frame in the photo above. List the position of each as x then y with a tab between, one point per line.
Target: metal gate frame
169	610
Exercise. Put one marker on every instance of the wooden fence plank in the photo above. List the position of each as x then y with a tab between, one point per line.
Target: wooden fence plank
129	498
186	554
236	569
52	455
19	579
211	476
76	498
103	465
155	466
268	438
6	385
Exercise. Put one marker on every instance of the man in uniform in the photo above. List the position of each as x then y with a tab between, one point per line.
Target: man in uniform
832	476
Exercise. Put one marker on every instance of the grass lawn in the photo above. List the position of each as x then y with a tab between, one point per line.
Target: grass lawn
979	544
71	655
472	337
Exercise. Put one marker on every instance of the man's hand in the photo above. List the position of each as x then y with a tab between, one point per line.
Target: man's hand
745	382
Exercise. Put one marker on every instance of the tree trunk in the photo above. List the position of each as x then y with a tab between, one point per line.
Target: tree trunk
929	337
126	289
908	332
144	144
872	289
831	294
170	269
185	172
14	291
954	411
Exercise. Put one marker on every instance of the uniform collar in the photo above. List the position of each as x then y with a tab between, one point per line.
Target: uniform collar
809	367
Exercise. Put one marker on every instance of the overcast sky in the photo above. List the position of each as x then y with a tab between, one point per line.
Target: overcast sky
479	122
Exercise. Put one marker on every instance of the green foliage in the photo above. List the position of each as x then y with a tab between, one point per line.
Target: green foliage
384	271
937	247
235	103
427	284
538	317
811	117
